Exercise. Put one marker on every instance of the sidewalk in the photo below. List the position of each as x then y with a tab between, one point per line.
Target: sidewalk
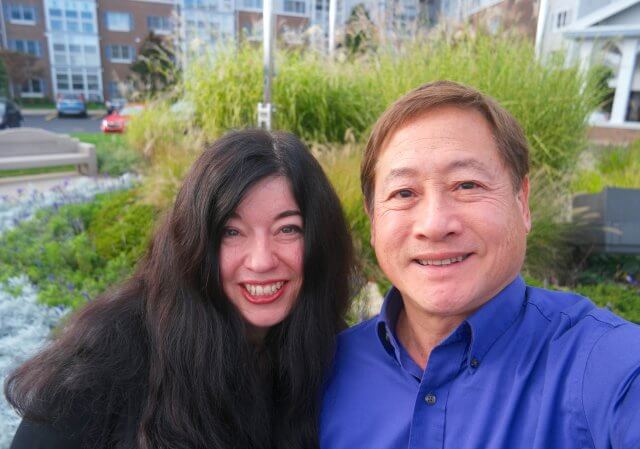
17	186
29	111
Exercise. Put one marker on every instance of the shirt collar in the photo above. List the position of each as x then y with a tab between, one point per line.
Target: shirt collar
489	322
486	325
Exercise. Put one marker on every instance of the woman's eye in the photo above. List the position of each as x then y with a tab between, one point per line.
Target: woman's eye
230	232
291	229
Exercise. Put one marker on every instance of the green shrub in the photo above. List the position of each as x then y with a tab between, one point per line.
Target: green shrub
623	300
115	156
74	252
614	167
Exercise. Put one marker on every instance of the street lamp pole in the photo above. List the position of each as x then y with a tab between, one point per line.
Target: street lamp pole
265	109
333	5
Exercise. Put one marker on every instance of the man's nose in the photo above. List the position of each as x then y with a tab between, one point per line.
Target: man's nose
261	256
436	218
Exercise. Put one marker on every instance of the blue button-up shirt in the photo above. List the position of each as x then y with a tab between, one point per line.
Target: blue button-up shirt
530	369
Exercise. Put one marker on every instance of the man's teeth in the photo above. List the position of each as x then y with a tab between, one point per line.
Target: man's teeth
263	290
439	262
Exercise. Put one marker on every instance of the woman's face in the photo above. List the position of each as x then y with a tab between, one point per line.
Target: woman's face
261	254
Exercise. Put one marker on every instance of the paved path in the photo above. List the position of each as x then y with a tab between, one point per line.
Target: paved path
66	125
13	188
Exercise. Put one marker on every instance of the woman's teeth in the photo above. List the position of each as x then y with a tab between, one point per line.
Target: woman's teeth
264	289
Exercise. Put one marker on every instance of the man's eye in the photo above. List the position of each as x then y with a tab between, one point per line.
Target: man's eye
467	185
404	193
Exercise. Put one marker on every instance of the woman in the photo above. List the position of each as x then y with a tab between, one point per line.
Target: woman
222	336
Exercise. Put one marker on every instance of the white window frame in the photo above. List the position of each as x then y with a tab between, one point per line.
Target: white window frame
31	93
119	59
111	27
22	7
25	44
302	3
162	30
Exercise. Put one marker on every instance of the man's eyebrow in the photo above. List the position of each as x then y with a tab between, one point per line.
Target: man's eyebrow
402	172
467	163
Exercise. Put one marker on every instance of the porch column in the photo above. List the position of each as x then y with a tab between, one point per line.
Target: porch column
629	48
584	54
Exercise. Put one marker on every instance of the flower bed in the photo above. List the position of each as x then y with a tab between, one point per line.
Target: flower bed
24	322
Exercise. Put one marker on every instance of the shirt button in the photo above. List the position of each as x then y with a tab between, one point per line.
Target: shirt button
475	363
430	399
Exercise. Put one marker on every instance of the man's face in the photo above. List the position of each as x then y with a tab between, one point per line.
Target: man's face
447	226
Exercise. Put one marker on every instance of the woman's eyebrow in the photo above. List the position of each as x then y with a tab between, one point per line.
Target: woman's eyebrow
288	213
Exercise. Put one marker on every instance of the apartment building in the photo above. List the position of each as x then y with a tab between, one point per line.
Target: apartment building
123	26
74	47
23	30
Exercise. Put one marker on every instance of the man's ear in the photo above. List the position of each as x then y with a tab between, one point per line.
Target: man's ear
522	198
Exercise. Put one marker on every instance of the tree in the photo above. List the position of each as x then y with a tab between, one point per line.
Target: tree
4	80
360	32
20	68
154	69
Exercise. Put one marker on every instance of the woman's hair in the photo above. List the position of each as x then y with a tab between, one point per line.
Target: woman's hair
166	353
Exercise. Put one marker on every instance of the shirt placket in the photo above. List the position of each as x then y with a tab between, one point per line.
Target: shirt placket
430	408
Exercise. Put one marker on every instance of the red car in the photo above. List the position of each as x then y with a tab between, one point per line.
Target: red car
116	122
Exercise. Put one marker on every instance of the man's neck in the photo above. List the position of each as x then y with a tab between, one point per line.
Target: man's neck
419	333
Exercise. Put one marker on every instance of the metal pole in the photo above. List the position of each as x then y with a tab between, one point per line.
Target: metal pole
265	109
333	6
542	24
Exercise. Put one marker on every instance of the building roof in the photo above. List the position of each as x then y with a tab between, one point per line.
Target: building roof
589	26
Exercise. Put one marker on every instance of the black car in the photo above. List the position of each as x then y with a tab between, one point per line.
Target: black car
10	115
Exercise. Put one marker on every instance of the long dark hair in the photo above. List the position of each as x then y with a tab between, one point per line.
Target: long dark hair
166	353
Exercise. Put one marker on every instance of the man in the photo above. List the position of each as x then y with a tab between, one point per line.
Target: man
463	354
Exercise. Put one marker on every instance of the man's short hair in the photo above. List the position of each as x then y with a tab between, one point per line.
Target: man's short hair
508	134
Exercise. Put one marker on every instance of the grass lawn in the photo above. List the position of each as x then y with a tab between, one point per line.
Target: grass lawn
52	105
36	171
114	157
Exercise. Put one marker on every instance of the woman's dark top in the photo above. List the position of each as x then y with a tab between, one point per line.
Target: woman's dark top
32	435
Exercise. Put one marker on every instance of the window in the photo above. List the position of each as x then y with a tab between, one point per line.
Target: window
75	54
253	4
71	20
62	81
59	53
120	53
33	88
294	6
25	46
562	19
92	82
91	55
77	81
118	21
159	24
22	14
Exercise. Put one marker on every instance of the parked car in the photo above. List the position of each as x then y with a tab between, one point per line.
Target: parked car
10	115
71	104
116	122
115	104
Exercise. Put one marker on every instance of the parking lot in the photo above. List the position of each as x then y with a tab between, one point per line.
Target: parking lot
50	122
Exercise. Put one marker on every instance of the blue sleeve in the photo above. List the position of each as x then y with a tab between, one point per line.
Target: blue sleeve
611	389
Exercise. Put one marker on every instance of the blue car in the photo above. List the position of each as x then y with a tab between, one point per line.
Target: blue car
71	104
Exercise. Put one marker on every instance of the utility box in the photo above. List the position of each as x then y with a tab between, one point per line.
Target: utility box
609	221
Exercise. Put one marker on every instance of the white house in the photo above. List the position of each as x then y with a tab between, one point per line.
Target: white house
601	32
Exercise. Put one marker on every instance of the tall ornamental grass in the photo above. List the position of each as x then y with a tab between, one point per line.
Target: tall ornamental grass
332	104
